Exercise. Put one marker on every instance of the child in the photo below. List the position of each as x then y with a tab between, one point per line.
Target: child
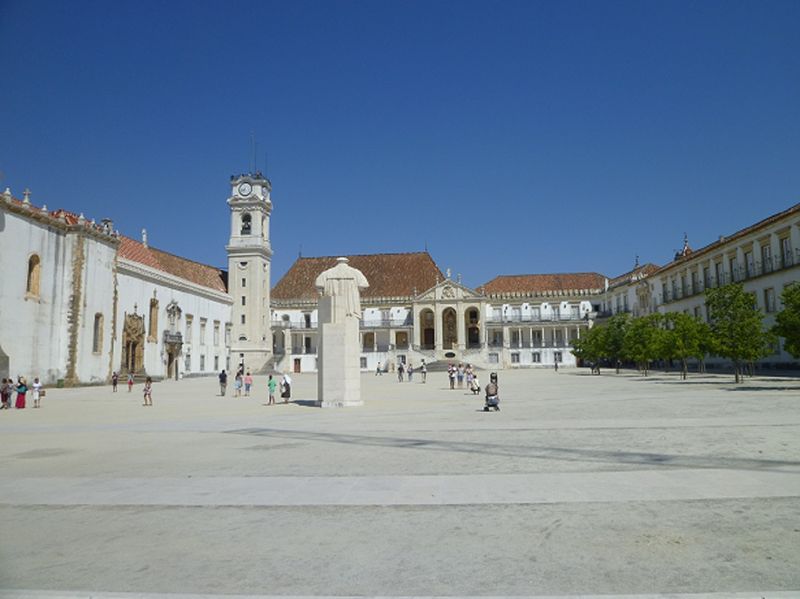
148	392
130	382
37	392
248	382
272	384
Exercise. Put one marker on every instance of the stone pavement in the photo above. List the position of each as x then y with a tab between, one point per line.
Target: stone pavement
582	486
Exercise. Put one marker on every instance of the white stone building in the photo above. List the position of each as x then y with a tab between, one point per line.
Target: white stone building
78	301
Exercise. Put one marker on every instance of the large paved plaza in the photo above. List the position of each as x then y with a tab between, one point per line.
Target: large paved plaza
580	486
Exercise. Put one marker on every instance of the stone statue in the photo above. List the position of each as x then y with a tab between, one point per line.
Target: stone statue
338	314
343	283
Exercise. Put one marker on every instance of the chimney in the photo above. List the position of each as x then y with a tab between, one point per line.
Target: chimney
144	237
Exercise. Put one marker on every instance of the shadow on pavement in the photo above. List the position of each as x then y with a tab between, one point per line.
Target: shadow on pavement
532	452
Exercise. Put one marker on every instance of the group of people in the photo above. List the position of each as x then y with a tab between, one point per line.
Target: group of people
115	381
457	374
20	387
245	380
407	371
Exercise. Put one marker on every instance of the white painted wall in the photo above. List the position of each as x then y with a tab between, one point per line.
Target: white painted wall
137	286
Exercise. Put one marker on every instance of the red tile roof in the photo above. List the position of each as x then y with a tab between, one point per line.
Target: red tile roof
389	275
542	283
194	272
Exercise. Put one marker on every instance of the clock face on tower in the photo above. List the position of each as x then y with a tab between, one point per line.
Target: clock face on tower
245	189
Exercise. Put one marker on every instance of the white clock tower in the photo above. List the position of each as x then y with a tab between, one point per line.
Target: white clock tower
249	257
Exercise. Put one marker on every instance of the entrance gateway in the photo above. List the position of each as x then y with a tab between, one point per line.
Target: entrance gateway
4	374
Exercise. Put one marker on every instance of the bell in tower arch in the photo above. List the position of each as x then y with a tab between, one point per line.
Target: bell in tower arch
247	224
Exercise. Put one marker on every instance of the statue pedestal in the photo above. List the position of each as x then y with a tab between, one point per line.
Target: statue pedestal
338	364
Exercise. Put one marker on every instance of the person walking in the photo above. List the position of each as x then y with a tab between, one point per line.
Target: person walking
451	374
22	390
114	381
248	383
468	374
37	392
410	371
148	392
460	376
286	387
130	382
378	371
424	370
237	385
223	382
271	385
400	371
5	394
555	365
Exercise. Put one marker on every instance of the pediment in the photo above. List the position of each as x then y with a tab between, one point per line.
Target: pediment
447	290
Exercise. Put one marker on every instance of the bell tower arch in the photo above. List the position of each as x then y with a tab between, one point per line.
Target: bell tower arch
249	262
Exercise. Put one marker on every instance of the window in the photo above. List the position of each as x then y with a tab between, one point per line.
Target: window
97	338
707	276
243	319
363	362
749	265
515	358
187	362
697	312
227	333
769	300
734	270
244	282
216	363
247	224
216	335
202	335
244	300
557	356
537	357
34	274
786	253
493	359
766	257
153	336
695	286
189	321
719	273
202	362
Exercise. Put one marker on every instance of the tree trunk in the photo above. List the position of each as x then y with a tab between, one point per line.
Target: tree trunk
685	368
736	369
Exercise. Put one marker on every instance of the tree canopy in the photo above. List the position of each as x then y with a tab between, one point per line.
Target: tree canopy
737	326
787	321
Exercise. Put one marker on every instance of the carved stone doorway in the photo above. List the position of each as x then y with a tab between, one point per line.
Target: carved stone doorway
428	334
449	329
172	366
133	344
4	374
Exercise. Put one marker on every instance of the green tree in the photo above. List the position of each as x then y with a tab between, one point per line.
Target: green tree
686	336
787	321
642	340
737	326
591	346
614	338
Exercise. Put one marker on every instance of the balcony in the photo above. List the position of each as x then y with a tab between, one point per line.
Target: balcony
172	338
740	274
521	318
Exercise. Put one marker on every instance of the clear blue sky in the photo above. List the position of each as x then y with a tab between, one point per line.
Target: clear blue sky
508	137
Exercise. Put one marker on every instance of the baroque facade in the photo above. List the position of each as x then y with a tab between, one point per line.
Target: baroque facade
79	301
